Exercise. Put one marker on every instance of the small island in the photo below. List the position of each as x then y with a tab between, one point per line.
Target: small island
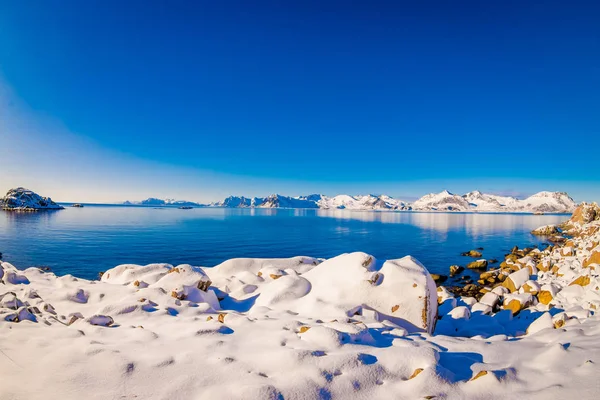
21	199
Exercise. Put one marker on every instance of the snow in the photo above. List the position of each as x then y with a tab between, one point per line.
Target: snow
351	326
21	199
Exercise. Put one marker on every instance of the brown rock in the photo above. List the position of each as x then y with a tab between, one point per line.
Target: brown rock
581	281
514	306
594	258
416	372
545	297
456	269
479	375
472	253
479	264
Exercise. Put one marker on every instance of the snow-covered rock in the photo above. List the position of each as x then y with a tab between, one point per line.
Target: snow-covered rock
24	199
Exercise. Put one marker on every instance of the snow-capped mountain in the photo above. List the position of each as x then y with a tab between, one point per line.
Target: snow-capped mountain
443	201
548	202
238	202
369	202
279	201
25	199
152	201
477	201
474	201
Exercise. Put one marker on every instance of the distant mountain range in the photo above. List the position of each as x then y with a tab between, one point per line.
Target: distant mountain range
475	201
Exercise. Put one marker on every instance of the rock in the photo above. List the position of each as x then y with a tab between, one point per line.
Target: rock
456	269
547	230
482	308
557	239
471	253
594	258
531	287
416	372
490	298
479	264
439	278
585	213
515	280
100	320
460	312
543	322
492	261
517	302
582	280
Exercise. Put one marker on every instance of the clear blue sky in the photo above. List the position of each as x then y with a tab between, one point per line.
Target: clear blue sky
122	99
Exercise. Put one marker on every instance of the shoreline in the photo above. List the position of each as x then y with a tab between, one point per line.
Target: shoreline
349	326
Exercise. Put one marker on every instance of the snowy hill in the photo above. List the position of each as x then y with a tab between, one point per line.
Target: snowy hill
23	199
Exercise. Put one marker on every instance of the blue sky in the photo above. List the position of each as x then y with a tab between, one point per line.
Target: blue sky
111	100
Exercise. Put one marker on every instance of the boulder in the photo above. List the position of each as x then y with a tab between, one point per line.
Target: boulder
479	264
472	253
456	269
344	284
517	302
515	280
546	230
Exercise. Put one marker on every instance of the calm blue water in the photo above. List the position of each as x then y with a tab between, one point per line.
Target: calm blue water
84	241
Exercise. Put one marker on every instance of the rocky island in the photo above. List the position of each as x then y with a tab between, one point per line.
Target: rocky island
21	199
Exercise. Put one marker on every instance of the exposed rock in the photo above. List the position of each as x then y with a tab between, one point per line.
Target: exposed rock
547	230
594	258
438	278
583	280
472	253
479	264
456	269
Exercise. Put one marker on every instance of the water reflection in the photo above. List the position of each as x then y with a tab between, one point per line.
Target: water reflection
474	223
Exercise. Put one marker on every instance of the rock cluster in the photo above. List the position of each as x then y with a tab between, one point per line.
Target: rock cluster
558	279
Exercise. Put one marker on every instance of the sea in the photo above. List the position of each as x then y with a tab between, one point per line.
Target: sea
85	241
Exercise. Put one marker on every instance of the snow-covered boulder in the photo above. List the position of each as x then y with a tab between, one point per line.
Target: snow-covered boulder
546	230
400	291
23	199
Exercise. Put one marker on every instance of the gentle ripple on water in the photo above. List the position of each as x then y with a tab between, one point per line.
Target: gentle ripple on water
83	241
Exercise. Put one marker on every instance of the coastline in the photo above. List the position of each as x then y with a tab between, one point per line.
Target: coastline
161	331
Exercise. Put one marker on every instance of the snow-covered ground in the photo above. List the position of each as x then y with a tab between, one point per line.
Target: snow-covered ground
350	327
